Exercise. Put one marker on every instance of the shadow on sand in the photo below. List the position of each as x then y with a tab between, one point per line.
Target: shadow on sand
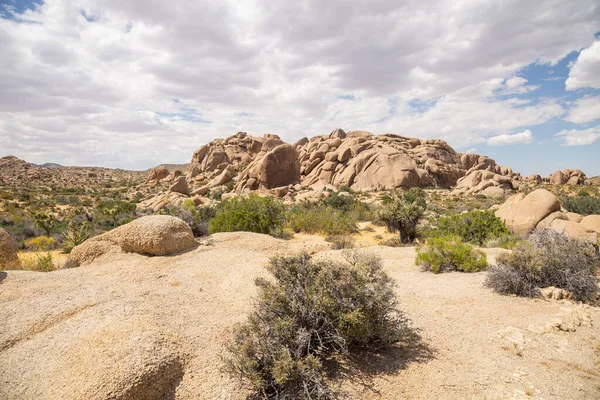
361	367
3	276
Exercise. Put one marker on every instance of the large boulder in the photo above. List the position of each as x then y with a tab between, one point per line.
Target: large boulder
574	229
558	178
8	252
157	174
384	168
181	186
591	222
521	213
278	167
154	235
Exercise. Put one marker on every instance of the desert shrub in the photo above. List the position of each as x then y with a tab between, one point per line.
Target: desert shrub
584	205
474	226
40	263
41	243
403	217
415	195
548	258
308	312
197	218
393	242
505	241
75	234
251	214
319	218
450	253
339	242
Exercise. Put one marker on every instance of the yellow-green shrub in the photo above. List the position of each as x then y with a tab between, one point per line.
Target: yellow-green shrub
41	243
450	253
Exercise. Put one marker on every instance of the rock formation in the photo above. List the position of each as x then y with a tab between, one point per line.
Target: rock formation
8	252
541	209
522	213
358	159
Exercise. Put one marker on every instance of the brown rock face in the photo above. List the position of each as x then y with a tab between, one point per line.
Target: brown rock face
157	174
279	167
181	186
521	213
8	252
156	235
558	178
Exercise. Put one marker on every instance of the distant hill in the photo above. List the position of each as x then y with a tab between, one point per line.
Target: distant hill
15	172
51	165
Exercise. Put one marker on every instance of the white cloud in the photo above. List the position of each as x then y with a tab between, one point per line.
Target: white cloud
584	72
516	85
505	139
576	137
103	92
584	110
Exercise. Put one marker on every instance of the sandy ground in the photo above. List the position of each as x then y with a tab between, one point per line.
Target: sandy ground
474	344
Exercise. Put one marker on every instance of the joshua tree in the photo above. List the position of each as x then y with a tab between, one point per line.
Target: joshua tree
403	217
45	220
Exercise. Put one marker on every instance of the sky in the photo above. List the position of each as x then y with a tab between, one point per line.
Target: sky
132	84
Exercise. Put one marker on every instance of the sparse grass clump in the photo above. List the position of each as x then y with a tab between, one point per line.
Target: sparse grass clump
250	214
331	217
39	263
475	227
450	253
548	258
339	242
311	311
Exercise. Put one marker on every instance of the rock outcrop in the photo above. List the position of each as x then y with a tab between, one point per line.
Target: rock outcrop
8	252
358	159
155	235
567	177
521	213
541	210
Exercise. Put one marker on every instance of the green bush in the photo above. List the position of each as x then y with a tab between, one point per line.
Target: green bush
320	218
403	217
198	218
475	227
251	214
584	205
75	234
309	312
415	195
450	253
547	259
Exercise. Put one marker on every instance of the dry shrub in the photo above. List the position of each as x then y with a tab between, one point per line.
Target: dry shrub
339	242
311	311
548	258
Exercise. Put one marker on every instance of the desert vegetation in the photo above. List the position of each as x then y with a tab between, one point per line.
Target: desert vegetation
450	253
548	258
311	312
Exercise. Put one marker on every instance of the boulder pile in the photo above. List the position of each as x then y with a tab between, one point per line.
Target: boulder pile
242	163
358	159
541	209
